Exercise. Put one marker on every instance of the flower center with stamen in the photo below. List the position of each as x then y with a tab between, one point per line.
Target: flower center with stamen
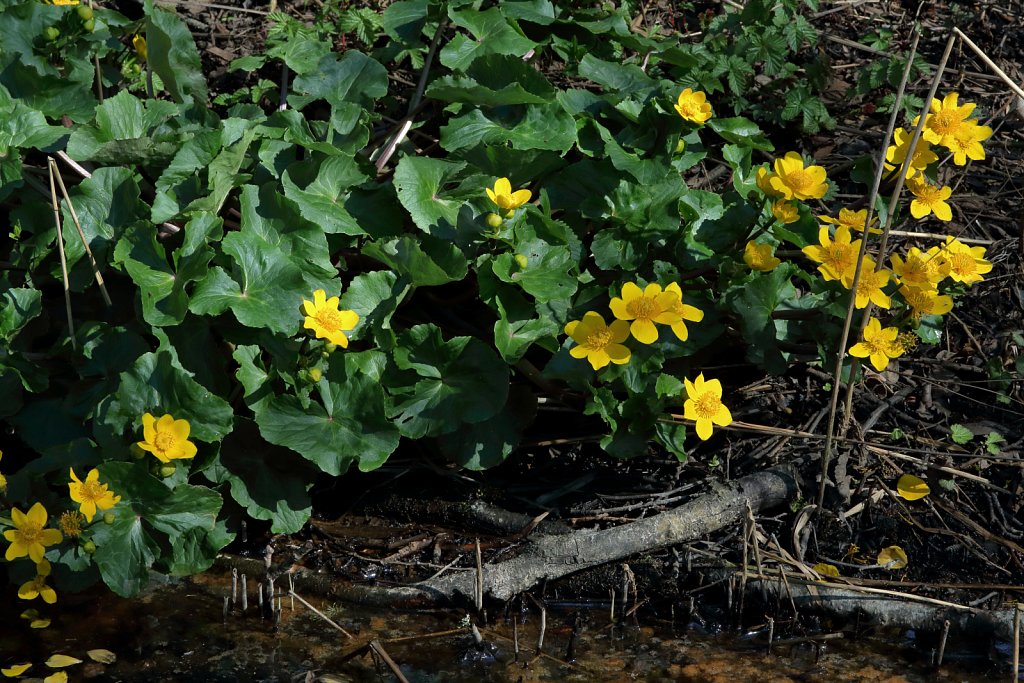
163	441
961	264
944	122
328	319
30	533
71	523
799	181
642	308
707	405
91	491
598	339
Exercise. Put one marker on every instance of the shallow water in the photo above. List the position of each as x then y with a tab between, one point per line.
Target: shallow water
176	632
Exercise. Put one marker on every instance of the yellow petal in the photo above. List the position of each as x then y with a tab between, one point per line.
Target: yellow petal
704	429
102	656
59	677
894	555
59	661
39	623
16	669
826	569
148	431
912	488
37	515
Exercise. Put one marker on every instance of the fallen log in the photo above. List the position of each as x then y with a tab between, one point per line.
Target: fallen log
549	557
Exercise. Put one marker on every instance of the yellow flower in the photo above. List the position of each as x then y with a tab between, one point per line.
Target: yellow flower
326	320
167	438
597	342
895	154
946	119
966	143
928	199
91	494
879	345
16	670
503	196
785	212
693	106
685	312
764	182
760	257
139	43
966	264
837	257
926	301
704	406
3	479
71	523
64	2
793	180
645	307
869	287
854	220
920	269
30	535
30	590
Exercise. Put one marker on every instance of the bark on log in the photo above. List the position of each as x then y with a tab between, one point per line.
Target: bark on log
557	555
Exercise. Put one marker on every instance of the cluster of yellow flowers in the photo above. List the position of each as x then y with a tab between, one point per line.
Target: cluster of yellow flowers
637	313
946	125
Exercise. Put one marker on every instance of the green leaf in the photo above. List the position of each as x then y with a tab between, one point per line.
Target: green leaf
404	20
741	131
375	296
454	381
487	444
514	338
154	385
173	56
17	307
992	441
960	434
348	425
22	127
349	78
161	286
424	261
542	127
621	79
667	385
124	553
494	81
321	199
673	437
420	182
492	34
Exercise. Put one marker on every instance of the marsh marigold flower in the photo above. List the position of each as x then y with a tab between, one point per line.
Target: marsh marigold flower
879	345
327	321
693	106
166	438
71	523
760	257
37	588
30	535
870	285
895	154
704	406
686	312
946	119
928	199
785	212
837	257
794	180
966	264
920	269
503	196
597	342
966	143
926	301
91	494
764	182
854	220
139	43
645	307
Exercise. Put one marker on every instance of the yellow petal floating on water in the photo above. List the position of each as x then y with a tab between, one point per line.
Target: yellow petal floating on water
893	557
102	656
59	677
911	487
57	661
16	670
39	623
826	569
